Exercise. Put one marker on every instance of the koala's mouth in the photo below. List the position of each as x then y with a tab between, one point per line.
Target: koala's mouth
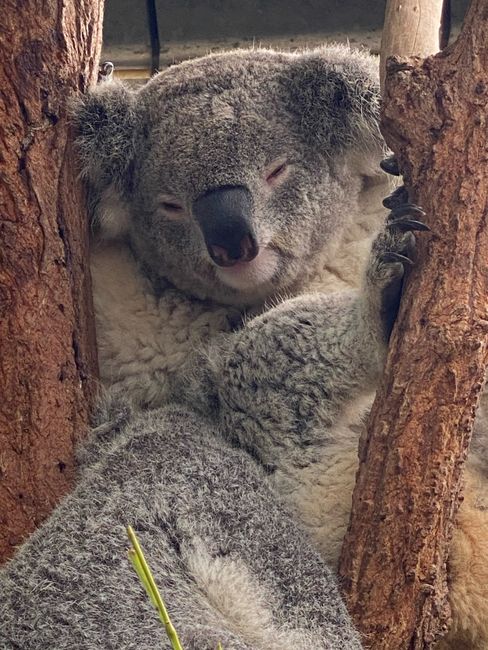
247	275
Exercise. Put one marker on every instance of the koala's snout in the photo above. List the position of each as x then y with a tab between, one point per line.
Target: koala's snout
224	216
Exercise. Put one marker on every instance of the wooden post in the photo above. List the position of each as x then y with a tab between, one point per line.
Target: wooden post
49	49
411	28
393	563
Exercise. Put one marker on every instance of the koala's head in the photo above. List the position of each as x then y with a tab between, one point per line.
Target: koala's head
231	175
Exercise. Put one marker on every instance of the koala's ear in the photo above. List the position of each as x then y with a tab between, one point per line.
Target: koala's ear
106	124
334	95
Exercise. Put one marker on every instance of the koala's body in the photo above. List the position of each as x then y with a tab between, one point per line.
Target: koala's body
197	480
222	187
270	127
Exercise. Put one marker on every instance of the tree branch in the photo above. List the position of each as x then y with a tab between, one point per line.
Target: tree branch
408	488
411	28
48	50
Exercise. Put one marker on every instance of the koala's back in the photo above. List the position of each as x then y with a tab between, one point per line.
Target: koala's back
230	563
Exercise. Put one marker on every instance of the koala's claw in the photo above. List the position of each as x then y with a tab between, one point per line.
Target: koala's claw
396	198
392	257
402	210
400	217
392	253
404	225
406	209
390	166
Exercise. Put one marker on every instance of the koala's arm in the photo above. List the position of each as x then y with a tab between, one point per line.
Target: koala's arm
277	386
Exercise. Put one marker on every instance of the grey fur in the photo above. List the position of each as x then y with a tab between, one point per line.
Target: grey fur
215	121
222	120
258	436
230	561
231	564
277	387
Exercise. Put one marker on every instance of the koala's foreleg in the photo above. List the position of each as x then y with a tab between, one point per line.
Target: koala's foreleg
279	384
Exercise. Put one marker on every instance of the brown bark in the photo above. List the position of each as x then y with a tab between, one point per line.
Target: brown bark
409	483
49	49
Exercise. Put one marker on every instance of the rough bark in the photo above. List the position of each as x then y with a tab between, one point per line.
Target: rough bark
49	49
408	487
412	28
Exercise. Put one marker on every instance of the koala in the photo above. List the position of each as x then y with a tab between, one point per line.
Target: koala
236	199
224	185
195	479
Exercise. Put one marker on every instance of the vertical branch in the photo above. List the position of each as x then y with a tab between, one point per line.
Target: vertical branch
394	556
48	50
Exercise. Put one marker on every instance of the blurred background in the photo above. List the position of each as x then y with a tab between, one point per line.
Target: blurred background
145	35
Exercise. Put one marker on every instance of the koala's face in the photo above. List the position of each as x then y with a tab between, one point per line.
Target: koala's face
238	181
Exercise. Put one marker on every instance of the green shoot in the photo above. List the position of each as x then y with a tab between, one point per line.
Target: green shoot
141	567
138	561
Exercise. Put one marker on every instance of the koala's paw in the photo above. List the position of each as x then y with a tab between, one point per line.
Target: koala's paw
392	252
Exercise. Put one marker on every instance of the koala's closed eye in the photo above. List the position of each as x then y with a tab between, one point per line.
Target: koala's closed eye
277	172
170	207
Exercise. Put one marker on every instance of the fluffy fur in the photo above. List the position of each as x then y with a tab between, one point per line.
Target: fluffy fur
198	484
230	563
218	121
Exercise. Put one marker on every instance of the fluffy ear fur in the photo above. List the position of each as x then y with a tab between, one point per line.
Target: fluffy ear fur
335	94
107	125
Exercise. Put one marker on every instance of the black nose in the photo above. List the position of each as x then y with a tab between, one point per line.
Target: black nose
224	216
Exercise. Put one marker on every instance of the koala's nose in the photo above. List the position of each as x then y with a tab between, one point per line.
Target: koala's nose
224	217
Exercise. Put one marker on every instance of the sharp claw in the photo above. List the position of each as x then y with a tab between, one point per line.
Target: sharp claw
407	209
390	166
390	256
408	224
396	198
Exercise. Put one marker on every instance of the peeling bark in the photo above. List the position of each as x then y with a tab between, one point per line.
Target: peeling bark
48	51
409	484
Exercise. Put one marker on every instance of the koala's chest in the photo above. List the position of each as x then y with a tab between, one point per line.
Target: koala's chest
141	338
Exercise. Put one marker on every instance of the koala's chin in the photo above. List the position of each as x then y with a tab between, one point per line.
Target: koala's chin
252	276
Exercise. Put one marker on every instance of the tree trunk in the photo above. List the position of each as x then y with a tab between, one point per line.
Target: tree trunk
408	487
49	49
